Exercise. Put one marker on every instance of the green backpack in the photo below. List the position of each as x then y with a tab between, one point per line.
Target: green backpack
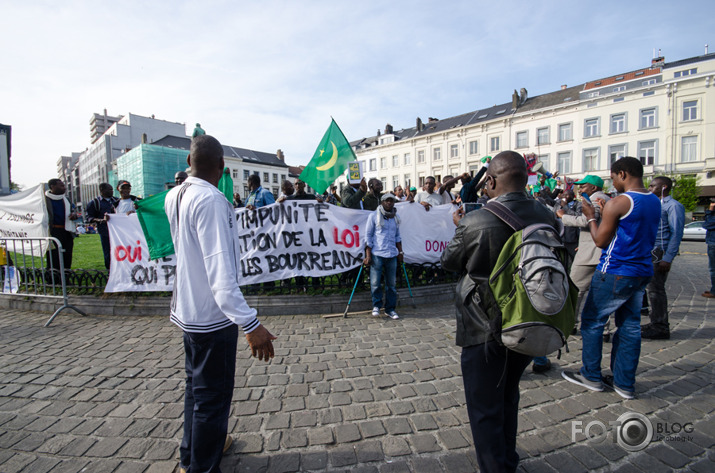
532	301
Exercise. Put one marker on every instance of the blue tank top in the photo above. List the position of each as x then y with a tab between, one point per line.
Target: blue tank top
628	254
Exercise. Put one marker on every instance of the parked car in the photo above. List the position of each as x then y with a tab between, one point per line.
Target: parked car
694	231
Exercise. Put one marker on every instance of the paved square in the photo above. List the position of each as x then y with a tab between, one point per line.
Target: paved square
105	394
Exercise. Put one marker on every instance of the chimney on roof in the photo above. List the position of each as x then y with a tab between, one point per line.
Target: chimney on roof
280	155
514	99
379	132
432	120
388	129
657	61
420	126
706	49
144	138
523	95
563	87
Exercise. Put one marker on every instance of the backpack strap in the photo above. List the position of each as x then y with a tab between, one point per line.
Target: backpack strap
505	214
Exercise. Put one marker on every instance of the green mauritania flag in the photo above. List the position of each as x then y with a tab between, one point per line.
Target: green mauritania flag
225	185
329	161
155	225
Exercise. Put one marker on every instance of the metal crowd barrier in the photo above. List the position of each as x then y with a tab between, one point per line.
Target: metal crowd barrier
34	271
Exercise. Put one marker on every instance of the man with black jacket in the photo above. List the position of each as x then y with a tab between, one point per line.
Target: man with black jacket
351	197
97	211
490	371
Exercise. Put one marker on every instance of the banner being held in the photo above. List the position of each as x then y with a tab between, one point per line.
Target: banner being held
282	241
24	215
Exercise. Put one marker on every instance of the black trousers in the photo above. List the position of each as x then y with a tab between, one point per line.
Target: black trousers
210	369
106	249
67	240
491	386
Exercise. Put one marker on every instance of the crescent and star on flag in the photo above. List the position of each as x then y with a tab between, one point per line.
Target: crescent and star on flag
332	161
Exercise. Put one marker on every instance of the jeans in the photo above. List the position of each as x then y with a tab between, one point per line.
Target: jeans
711	265
389	267
624	296
491	386
210	369
658	301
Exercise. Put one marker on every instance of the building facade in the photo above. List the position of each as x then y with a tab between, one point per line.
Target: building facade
98	163
100	123
151	167
663	114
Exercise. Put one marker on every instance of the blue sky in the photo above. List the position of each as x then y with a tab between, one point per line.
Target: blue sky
270	74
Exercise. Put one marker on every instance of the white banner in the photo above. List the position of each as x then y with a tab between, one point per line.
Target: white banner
24	215
130	269
281	241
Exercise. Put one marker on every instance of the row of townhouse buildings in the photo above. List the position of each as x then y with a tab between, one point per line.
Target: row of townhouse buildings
147	152
663	114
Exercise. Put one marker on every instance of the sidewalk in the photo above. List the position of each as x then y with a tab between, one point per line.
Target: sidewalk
105	394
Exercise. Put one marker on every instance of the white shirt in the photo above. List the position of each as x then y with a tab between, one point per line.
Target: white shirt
206	295
434	199
125	205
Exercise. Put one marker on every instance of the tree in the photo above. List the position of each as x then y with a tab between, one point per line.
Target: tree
14	186
685	191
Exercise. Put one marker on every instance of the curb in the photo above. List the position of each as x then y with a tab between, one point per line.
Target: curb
124	304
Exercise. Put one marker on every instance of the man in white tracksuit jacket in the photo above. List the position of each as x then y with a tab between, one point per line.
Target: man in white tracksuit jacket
207	305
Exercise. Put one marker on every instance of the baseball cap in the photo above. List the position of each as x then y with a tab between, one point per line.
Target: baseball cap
591	179
388	195
121	183
413	188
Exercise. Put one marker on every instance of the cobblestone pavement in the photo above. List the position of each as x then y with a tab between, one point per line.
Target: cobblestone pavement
104	394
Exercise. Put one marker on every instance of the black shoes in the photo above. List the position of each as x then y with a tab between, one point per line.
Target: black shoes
651	333
541	368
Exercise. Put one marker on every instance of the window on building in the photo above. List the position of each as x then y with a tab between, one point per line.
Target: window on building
407	159
373	164
275	178
383	180
522	139
437	154
542	136
494	144
420	180
590	159
565	133
383	163
648	82
618	123
276	192
616	152
646	152
690	110
564	162
593	94
235	174
283	178
395	181
395	161
620	88
687	72
591	128
246	173
266	178
647	118
689	149
421	156
474	147
408	179
453	151
245	192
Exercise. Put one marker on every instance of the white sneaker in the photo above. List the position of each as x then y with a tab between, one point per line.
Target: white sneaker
393	315
376	312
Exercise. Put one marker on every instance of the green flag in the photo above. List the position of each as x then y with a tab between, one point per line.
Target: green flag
329	161
225	185
155	225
